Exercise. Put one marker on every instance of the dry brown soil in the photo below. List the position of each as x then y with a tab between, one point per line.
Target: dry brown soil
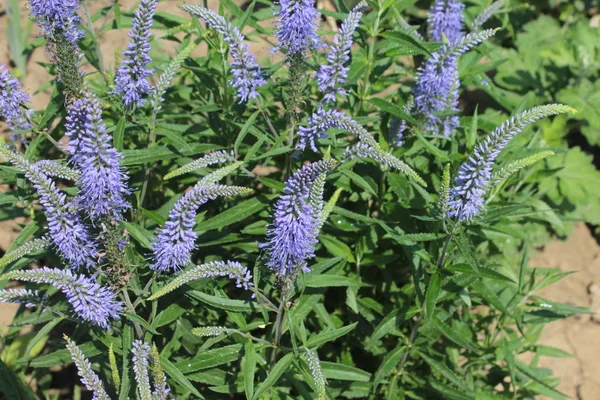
580	336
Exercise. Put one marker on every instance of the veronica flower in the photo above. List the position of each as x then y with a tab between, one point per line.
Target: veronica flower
102	180
231	269
131	81
141	352
474	175
92	302
293	234
331	76
57	18
396	131
67	231
323	119
437	84
177	239
296	26
161	389
12	101
486	14
84	368
30	298
246	73
446	19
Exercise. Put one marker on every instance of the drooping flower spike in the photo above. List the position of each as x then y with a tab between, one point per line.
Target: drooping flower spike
173	247
296	26
474	175
131	81
87	375
92	302
13	101
436	89
246	73
293	233
446	19
231	269
102	180
322	120
28	297
69	234
332	76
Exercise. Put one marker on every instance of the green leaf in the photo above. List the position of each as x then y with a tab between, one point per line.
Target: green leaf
60	357
248	368
142	322
12	387
119	134
389	323
481	272
393	109
210	358
244	131
223	303
234	214
336	247
328	336
441	155
390	362
452	335
178	377
154	154
406	40
42	334
280	367
344	372
444	371
330	280
359	181
141	235
432	294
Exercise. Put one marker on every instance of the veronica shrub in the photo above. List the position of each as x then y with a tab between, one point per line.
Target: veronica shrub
282	202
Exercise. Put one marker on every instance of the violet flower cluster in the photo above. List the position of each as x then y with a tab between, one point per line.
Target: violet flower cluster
102	180
292	236
438	82
12	101
141	353
131	80
296	26
446	19
69	234
474	175
92	302
176	241
57	17
332	75
246	73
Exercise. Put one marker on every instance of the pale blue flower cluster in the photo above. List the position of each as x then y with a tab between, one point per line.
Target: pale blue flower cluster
131	81
57	17
296	26
84	368
12	101
446	20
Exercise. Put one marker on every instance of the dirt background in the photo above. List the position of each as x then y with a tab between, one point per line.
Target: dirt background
580	336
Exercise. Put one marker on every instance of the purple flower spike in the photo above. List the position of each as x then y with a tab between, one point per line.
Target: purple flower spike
292	236
102	180
176	241
296	26
131	81
57	17
474	174
446	19
92	302
12	100
67	231
333	75
246	73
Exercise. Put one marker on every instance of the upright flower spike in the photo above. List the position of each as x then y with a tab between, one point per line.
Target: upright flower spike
332	76
69	234
436	89
141	353
161	389
102	180
57	17
84	368
246	73
173	247
446	19
296	26
92	302
13	101
293	234
322	120
473	177
396	132
131	81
